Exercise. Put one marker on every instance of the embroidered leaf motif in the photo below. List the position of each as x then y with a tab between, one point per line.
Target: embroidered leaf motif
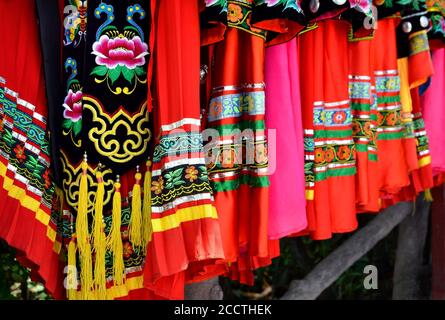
8	138
114	74
77	127
174	178
140	71
128	74
67	124
100	71
178	173
204	173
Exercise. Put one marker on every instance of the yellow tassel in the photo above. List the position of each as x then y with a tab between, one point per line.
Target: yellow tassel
86	274
135	226
428	196
100	281
147	228
114	241
83	237
71	279
82	211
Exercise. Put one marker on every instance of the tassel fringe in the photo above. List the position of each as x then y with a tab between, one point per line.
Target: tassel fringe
71	280
83	237
100	281
135	227
147	228
114	241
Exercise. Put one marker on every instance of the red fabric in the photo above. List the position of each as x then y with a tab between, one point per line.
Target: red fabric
192	251
21	66
324	73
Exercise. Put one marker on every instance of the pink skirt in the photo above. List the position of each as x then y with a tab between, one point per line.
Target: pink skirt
287	203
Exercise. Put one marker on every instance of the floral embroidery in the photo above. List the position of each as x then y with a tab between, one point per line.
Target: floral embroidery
239	16
127	250
29	129
391	119
157	186
329	155
190	180
46	178
344	153
356	128
380	119
339	117
191	173
73	106
361	5
332	117
235	13
319	155
118	54
20	153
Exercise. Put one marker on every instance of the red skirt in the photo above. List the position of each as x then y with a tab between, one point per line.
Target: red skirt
26	188
327	119
237	102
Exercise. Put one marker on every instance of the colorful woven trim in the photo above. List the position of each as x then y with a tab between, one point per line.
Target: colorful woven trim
364	112
179	176
24	158
239	154
334	148
389	118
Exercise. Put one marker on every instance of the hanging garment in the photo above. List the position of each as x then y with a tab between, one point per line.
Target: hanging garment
330	154
237	157
134	175
287	203
27	221
186	245
364	123
433	111
363	100
104	136
393	169
415	67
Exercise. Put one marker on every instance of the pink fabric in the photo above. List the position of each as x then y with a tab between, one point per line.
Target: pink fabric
287	203
433	103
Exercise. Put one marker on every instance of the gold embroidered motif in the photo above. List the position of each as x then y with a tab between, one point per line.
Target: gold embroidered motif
71	183
105	129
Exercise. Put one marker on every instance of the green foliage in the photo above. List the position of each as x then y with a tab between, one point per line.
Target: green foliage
15	282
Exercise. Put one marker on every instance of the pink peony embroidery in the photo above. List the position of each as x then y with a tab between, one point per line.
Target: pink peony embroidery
73	106
361	5
271	3
210	3
120	51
